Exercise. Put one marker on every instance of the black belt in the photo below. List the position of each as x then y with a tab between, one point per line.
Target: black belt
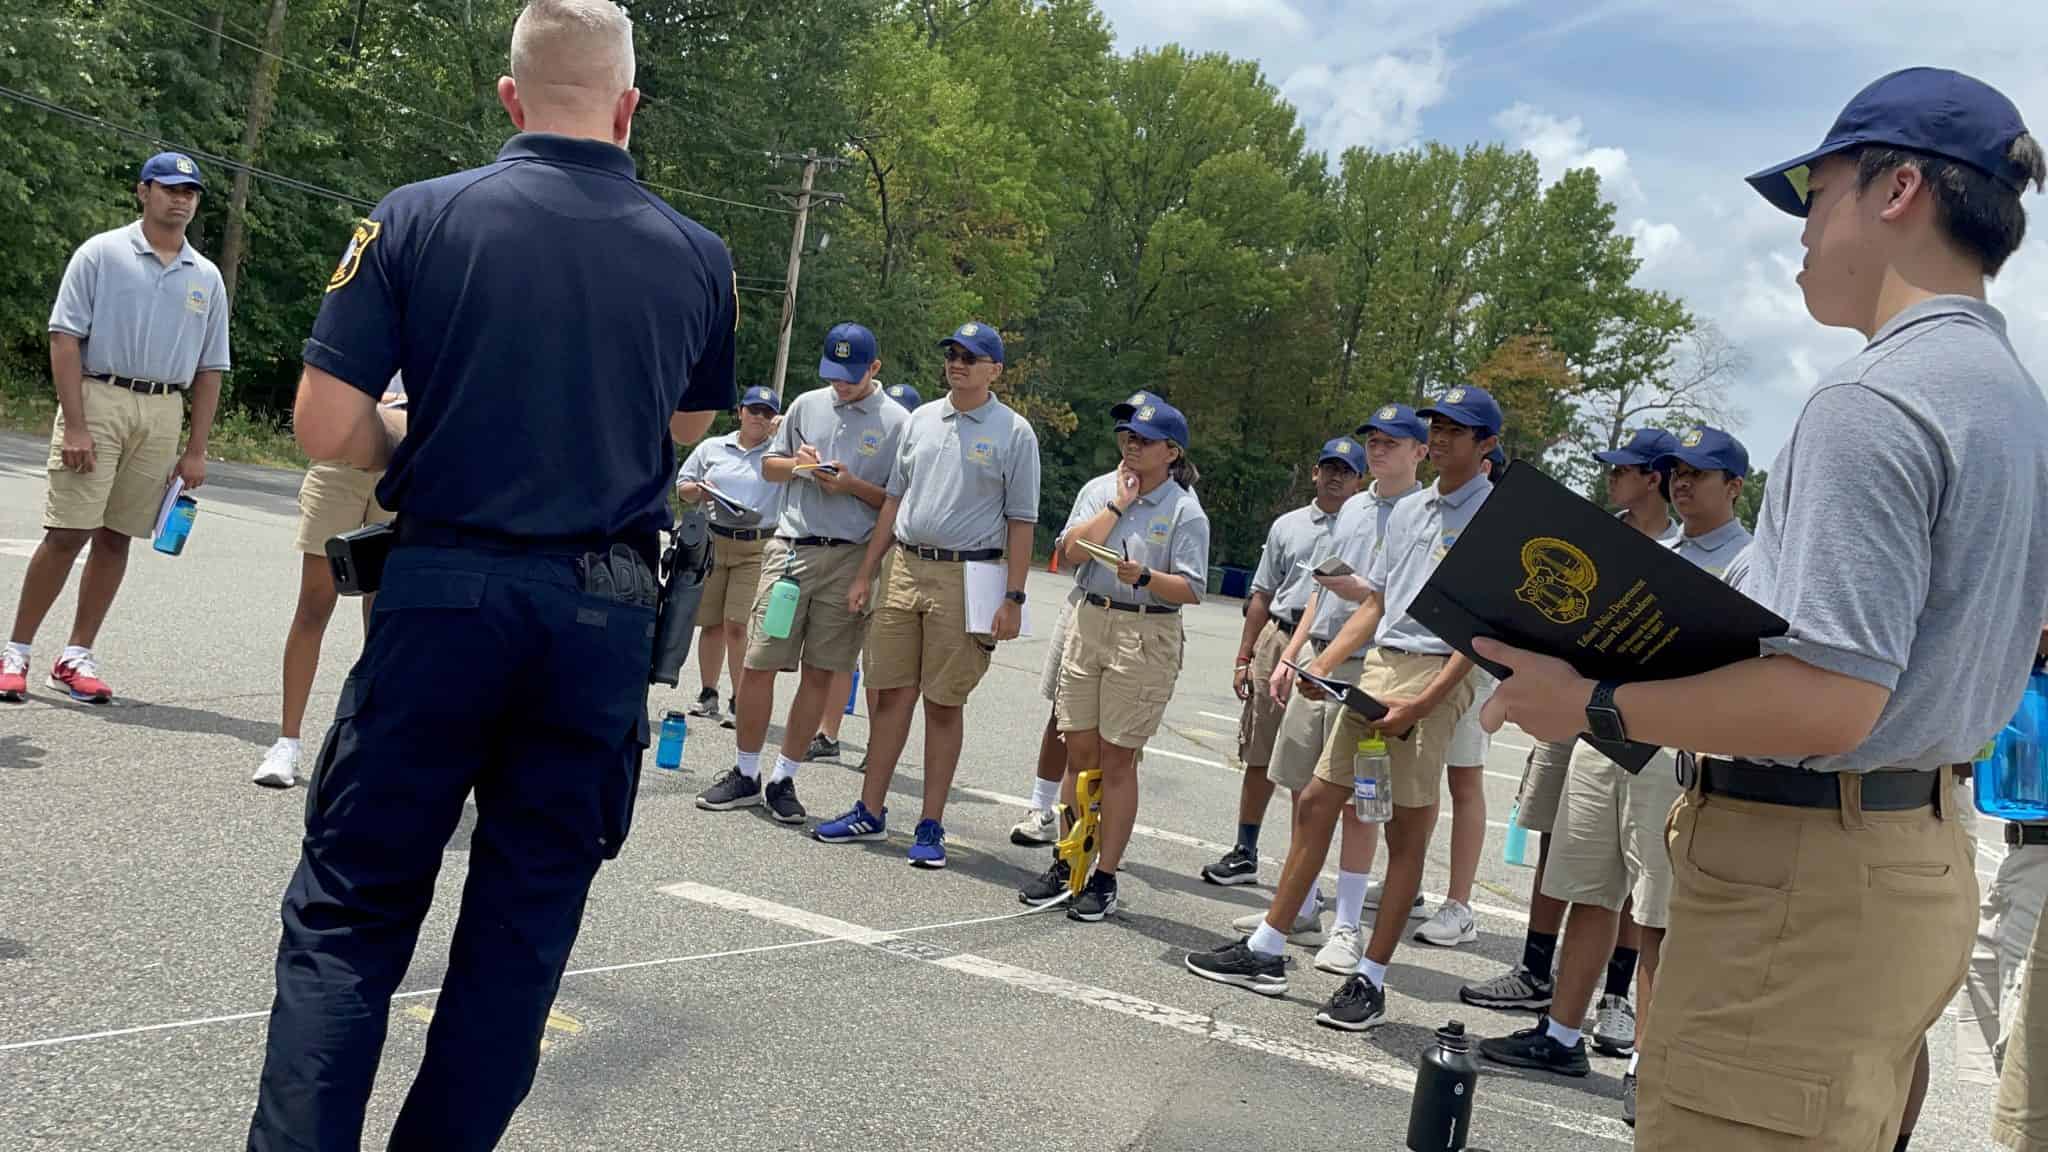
816	542
1798	788
1286	625
146	387
1143	609
2018	835
948	556
439	534
742	535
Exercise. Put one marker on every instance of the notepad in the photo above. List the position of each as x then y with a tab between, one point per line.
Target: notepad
733	508
987	582
1103	555
828	468
163	511
1542	568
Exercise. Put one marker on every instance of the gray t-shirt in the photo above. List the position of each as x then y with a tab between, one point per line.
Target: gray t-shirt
1296	538
1713	551
140	317
736	472
1361	527
864	436
1420	533
1905	529
963	477
1166	530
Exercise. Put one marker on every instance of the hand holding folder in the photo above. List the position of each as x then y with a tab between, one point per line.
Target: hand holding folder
1350	695
1542	568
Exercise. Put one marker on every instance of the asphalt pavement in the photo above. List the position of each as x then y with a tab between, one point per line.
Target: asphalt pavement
736	985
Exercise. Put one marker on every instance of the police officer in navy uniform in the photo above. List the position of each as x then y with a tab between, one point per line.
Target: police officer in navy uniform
544	304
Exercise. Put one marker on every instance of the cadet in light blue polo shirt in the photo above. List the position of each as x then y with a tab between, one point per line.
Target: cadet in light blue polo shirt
730	465
1708	468
1638	488
904	394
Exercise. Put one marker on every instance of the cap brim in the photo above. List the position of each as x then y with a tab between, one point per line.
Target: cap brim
1347	461
175	179
1461	418
1704	461
1785	185
1623	456
831	369
1390	428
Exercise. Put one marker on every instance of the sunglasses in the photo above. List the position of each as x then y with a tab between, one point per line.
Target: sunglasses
957	355
760	410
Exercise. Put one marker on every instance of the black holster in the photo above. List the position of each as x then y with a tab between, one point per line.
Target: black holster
357	558
685	565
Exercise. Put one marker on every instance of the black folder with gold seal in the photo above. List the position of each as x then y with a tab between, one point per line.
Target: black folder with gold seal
1542	568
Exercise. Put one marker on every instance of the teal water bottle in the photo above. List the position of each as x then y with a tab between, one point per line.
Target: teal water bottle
177	526
780	616
1517	850
2012	783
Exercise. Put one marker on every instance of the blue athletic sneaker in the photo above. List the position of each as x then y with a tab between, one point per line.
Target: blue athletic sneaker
930	849
859	824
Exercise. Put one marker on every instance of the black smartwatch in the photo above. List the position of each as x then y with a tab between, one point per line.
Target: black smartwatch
1603	719
1014	597
1144	578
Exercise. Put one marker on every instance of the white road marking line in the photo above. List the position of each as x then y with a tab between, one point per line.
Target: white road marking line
1217	716
1151	751
1507	776
1380	1073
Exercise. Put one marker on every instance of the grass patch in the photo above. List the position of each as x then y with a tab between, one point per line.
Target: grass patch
28	404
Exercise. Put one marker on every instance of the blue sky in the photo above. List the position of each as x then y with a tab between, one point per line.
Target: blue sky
1673	102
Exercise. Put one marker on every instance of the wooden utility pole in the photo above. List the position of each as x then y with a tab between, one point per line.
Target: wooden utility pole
262	93
805	197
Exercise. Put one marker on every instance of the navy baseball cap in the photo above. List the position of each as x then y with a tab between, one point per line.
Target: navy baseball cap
849	349
1137	400
1931	110
977	338
1344	450
1643	449
758	397
169	169
1157	421
1470	405
1398	421
905	395
1708	449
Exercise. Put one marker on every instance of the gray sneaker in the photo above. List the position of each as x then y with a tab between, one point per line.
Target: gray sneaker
1614	1027
1628	1099
1451	926
1307	931
1373	891
1518	988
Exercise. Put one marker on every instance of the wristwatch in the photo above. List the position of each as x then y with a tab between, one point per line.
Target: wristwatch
1144	578
1014	597
1603	719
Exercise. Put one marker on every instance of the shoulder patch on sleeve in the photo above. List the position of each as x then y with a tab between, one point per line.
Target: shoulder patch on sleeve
366	234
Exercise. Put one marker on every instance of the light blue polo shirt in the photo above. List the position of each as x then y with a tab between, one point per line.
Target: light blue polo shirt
139	317
1296	538
1420	533
1166	530
962	478
734	470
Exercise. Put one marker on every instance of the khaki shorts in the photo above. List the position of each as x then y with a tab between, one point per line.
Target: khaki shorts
1118	673
824	634
1417	762
1809	952
919	637
1305	728
735	577
1049	676
1258	724
2020	1119
135	446
335	498
1608	842
1470	743
1542	790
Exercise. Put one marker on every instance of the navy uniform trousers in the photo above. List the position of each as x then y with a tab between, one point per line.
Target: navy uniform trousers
489	672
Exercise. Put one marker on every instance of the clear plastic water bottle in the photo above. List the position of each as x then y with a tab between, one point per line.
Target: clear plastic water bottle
2013	783
668	754
1372	782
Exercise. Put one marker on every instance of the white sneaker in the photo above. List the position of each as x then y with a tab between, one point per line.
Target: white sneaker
1614	1028
1039	826
1342	954
1373	889
1307	931
1451	926
280	765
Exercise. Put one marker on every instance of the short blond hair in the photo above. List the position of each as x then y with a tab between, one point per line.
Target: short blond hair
580	44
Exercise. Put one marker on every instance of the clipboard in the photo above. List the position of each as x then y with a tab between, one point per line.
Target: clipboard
1350	695
733	508
1543	568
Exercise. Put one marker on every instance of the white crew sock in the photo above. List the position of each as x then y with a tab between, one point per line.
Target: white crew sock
18	647
1633	1057
1267	940
291	742
1351	897
1309	907
73	652
1044	794
750	765
785	768
1374	971
1569	1037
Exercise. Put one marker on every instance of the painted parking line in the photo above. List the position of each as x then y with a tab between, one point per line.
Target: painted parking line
1378	1072
1151	751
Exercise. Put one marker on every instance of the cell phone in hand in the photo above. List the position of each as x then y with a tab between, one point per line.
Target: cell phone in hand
1328	566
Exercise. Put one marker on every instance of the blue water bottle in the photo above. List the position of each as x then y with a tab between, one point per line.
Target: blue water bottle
855	694
1516	851
2012	783
668	755
177	526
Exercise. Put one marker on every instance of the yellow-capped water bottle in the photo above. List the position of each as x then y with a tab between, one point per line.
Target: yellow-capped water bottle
1372	782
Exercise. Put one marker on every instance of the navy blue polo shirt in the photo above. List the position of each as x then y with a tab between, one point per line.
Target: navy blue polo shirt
549	315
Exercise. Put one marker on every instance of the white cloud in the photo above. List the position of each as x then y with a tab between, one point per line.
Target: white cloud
1560	145
1654	241
1377	103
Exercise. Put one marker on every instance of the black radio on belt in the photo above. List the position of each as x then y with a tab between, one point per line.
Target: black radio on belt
357	558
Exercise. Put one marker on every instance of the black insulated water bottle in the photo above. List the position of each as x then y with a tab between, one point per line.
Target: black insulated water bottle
1441	1118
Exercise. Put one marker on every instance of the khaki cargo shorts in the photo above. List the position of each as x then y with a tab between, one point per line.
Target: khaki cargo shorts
1470	743
2020	1119
919	637
1417	762
1542	789
1049	676
735	577
824	634
335	498
1305	726
1258	724
135	446
1118	673
1608	842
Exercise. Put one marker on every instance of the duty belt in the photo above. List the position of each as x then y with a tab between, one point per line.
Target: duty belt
440	534
742	535
146	387
1143	609
1884	791
948	556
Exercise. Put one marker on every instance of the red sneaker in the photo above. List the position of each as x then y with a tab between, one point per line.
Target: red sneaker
80	678
13	675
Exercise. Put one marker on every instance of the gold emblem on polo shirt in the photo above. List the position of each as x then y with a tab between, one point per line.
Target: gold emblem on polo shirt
1560	580
352	258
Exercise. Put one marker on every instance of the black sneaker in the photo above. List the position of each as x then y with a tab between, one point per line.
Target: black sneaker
822	748
1357	1006
1519	988
780	797
1096	901
1048	888
1534	1048
1237	965
731	791
1237	867
706	705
